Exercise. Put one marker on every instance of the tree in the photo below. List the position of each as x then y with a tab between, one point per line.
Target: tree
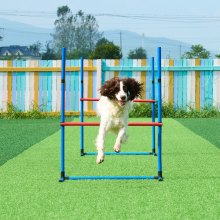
101	41
197	51
86	33
50	53
138	53
78	33
106	50
64	30
35	48
217	56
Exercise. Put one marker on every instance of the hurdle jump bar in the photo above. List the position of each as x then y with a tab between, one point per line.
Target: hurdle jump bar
114	153
97	124
136	100
121	153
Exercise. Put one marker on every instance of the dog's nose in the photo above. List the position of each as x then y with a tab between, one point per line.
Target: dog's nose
123	97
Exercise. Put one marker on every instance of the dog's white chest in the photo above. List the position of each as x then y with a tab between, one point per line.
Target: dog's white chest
111	114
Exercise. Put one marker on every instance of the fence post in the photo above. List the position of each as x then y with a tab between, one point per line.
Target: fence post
160	178
62	118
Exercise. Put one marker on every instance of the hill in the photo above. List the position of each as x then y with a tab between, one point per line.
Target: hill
131	40
16	33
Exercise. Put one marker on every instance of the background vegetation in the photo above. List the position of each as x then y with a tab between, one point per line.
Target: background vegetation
137	111
169	111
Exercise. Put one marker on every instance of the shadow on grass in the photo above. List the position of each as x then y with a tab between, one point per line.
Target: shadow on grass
207	128
17	135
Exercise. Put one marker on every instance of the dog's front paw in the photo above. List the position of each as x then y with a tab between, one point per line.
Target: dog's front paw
117	148
100	157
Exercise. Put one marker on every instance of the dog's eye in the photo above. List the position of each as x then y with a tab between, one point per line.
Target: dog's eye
125	88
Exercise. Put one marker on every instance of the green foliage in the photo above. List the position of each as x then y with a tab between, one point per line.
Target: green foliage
35	48
86	33
217	56
102	41
140	110
197	51
62	11
49	54
137	111
15	113
106	50
37	113
62	36
138	53
168	111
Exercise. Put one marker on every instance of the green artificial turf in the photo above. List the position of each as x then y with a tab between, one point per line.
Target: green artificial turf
208	128
18	135
190	190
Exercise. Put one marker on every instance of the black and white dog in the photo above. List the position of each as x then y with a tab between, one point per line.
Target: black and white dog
113	107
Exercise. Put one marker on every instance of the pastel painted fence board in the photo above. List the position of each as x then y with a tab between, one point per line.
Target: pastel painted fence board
30	84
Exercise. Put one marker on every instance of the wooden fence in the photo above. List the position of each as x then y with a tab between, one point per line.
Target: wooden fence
31	83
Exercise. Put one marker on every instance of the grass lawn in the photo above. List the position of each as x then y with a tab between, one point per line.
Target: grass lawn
18	135
191	169
207	128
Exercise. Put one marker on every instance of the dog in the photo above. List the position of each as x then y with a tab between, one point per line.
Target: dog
113	108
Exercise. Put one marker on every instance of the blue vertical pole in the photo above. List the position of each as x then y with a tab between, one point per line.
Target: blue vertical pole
81	108
153	106
159	115
62	118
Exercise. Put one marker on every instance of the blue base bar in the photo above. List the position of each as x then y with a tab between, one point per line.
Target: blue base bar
111	177
160	178
121	153
61	179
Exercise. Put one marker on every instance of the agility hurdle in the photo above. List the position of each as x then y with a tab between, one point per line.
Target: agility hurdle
82	99
63	124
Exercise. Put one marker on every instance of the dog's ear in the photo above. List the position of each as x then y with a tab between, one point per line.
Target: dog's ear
135	88
110	88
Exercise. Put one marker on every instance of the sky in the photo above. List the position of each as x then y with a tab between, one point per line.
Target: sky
190	21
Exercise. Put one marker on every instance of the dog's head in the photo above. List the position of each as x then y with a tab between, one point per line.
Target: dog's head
122	90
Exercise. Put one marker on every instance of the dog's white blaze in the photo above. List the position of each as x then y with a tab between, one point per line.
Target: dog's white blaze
121	92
